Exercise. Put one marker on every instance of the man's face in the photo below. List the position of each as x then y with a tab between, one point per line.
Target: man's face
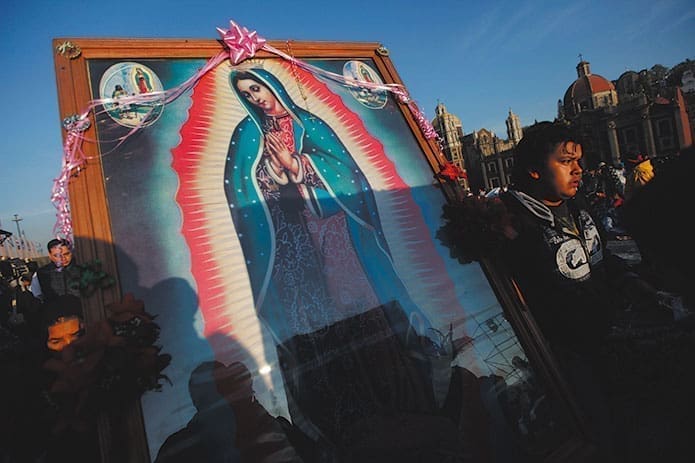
63	333
563	171
60	255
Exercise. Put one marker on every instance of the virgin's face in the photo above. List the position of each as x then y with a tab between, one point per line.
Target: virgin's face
564	171
259	95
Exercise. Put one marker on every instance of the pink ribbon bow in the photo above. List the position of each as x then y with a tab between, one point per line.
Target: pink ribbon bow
241	42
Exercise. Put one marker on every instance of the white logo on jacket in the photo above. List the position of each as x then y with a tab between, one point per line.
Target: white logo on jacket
572	260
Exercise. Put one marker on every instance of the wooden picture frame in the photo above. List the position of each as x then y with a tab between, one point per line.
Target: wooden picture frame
136	208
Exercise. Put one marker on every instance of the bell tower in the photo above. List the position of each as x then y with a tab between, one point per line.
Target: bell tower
514	132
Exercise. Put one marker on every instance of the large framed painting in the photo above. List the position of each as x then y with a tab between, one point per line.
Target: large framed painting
280	222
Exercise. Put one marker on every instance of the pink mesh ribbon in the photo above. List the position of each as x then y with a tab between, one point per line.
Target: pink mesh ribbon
73	158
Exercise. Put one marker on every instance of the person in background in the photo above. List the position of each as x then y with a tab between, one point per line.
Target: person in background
53	284
5	300
26	302
25	312
620	173
655	216
640	172
613	190
604	191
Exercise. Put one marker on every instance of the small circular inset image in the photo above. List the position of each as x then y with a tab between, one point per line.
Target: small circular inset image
129	80
370	97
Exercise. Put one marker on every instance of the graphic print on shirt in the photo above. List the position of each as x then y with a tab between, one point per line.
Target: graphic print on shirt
592	238
572	260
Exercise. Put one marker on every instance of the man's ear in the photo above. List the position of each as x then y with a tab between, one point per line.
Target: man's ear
534	174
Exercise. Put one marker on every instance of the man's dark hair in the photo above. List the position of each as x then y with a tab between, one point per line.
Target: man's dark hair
58	242
538	142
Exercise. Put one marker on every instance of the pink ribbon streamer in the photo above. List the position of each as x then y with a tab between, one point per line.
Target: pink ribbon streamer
397	89
241	44
73	156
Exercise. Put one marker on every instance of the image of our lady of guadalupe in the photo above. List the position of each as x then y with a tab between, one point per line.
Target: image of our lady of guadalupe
309	249
318	261
305	215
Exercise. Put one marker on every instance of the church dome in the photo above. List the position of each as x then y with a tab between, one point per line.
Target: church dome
589	91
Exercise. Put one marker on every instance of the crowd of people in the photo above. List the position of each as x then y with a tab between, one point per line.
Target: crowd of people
39	295
629	205
608	186
41	315
60	372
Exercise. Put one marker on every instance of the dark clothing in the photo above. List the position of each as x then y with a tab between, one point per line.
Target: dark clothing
609	182
59	294
260	437
5	300
569	281
604	193
28	306
244	432
354	371
209	436
564	275
57	281
656	216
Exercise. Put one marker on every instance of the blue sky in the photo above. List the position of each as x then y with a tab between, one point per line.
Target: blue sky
478	58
